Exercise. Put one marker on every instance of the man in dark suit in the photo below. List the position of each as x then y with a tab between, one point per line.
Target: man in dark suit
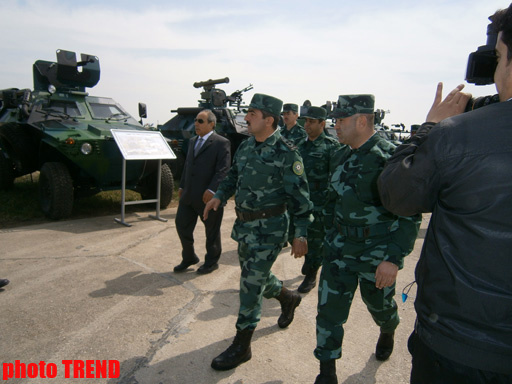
208	161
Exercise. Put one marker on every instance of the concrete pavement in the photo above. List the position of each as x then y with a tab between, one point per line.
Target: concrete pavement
92	289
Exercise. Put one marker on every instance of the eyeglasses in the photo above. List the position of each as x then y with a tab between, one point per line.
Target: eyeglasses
200	121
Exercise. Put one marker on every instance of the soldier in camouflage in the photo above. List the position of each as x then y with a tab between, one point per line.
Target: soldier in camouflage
365	244
292	130
317	152
268	180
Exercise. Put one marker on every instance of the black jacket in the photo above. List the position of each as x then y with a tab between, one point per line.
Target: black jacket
461	171
207	169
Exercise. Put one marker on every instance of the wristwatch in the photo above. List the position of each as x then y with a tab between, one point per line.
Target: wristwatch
302	239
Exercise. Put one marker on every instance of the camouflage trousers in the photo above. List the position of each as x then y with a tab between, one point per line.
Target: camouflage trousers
338	283
256	281
316	235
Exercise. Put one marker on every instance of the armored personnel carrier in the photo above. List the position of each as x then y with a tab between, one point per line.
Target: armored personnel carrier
60	130
230	120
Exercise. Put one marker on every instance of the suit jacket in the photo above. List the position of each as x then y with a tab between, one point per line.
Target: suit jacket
207	169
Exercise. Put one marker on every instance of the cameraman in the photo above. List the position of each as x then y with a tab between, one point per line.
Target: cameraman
459	167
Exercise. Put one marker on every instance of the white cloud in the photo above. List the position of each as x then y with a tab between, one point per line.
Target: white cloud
397	50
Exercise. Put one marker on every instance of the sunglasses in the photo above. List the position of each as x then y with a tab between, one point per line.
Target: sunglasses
200	121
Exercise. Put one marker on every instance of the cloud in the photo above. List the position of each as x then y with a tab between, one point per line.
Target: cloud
154	51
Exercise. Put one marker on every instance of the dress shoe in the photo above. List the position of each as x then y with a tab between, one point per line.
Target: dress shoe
205	269
3	282
185	264
385	346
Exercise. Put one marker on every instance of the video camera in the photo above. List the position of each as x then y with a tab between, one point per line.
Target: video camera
480	69
482	63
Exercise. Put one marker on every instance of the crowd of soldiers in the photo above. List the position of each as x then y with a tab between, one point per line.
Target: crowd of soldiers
297	185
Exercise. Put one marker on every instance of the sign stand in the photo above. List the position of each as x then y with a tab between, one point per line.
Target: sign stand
141	145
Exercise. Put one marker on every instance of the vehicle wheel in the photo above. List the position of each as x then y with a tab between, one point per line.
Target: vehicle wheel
19	145
55	191
177	165
6	172
148	187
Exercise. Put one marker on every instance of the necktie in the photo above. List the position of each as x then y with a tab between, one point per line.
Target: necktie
199	144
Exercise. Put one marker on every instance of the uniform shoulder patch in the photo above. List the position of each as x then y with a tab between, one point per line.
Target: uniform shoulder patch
298	168
288	143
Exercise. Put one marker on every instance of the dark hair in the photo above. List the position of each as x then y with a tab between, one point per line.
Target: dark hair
502	22
268	114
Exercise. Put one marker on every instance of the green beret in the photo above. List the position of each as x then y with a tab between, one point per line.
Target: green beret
317	113
349	105
266	103
291	107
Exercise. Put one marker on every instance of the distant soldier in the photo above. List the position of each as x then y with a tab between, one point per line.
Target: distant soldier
291	129
267	178
317	152
365	244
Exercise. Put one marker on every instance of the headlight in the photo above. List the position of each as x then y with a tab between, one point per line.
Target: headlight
52	89
86	148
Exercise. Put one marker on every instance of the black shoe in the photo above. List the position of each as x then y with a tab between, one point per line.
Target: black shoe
385	346
185	264
237	353
204	269
289	301
327	373
3	282
309	282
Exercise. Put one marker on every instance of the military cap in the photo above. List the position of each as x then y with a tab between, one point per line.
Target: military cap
349	105
317	113
291	107
266	103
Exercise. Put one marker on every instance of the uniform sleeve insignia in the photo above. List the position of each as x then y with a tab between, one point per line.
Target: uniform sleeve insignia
298	168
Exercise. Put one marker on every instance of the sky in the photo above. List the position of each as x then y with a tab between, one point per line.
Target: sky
153	51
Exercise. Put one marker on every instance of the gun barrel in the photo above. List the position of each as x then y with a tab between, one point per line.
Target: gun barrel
210	82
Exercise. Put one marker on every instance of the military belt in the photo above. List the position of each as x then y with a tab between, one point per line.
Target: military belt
244	216
364	232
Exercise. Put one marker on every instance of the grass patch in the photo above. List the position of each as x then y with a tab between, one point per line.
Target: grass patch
20	205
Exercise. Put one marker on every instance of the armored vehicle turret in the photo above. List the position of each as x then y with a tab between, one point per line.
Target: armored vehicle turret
230	120
60	130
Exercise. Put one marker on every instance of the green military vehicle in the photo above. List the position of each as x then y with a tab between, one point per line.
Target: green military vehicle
230	120
60	130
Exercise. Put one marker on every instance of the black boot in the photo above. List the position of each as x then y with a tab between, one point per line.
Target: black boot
309	281
289	301
237	353
385	345
327	373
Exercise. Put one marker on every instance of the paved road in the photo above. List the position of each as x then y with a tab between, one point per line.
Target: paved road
92	289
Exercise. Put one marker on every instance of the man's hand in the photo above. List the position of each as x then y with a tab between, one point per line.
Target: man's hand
454	104
299	248
180	192
212	204
207	196
385	275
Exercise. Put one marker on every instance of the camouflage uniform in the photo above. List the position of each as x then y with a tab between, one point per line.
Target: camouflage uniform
264	176
361	234
318	158
296	134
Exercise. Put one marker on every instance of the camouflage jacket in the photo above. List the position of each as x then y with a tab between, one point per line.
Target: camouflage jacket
318	158
353	200
264	176
296	135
